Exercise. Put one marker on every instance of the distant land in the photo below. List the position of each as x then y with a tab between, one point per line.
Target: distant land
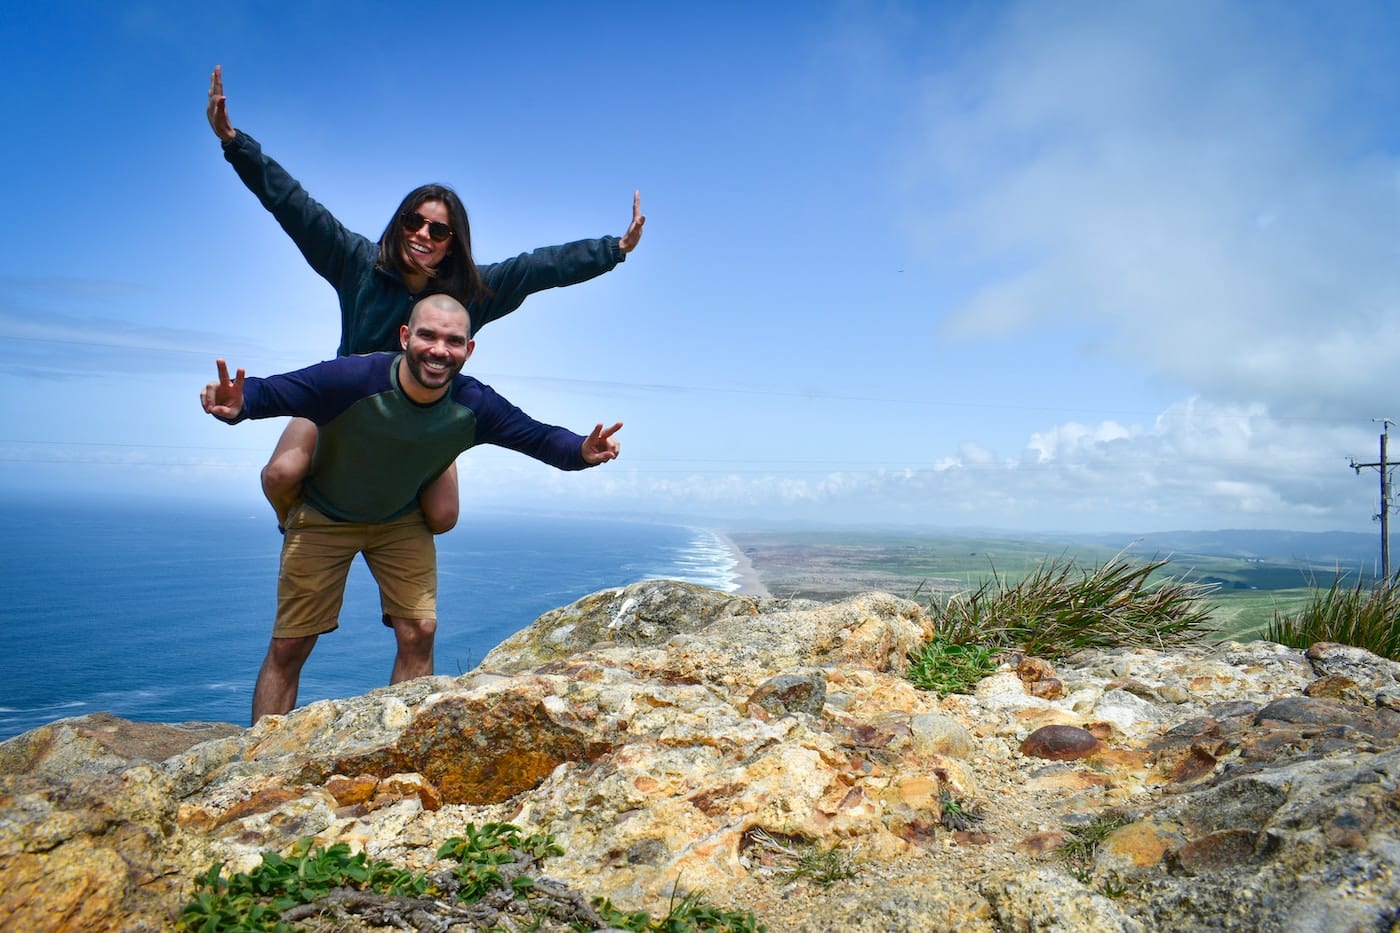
1253	574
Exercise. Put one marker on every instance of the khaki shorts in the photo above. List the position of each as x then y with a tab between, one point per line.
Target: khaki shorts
316	556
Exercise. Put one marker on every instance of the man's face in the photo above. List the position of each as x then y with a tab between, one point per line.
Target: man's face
436	346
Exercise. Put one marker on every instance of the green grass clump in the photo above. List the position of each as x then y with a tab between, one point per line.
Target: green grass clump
1078	851
957	815
690	914
945	667
1364	616
807	861
1059	609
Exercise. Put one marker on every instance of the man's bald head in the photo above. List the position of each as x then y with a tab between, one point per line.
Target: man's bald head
439	302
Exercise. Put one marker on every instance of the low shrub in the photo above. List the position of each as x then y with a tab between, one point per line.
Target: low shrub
1361	615
494	862
1053	612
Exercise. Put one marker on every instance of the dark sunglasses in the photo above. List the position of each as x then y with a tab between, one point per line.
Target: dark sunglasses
413	222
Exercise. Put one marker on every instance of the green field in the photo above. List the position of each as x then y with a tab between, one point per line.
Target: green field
1246	591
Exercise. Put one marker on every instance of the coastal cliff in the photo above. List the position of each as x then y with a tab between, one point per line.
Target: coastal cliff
675	739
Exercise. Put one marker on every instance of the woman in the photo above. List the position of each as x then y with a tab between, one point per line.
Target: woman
425	249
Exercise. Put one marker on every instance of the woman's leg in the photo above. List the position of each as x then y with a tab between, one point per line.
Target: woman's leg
288	466
440	502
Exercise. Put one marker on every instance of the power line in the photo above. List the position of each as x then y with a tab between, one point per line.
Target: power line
813	395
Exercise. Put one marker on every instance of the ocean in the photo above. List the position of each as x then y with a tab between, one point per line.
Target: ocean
162	613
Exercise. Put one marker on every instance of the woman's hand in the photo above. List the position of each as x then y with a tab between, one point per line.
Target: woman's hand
217	111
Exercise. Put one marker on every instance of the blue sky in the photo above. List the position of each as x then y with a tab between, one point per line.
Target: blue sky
1029	266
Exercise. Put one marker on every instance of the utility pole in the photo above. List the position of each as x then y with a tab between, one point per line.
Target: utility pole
1384	468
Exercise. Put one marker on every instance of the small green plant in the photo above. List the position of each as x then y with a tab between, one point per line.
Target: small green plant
809	861
255	900
1078	851
945	667
956	815
822	866
690	914
1113	886
481	852
1364	616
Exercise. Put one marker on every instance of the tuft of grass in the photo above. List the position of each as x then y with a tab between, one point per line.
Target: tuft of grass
945	667
956	815
1060	608
808	860
1363	616
1078	851
690	914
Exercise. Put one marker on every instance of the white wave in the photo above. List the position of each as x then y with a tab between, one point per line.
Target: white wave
71	704
706	560
42	709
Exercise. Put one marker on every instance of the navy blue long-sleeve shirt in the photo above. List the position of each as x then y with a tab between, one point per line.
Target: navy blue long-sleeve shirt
376	448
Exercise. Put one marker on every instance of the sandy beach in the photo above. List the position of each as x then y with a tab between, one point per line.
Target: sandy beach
749	583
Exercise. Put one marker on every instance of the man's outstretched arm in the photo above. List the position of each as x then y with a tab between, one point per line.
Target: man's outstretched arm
224	399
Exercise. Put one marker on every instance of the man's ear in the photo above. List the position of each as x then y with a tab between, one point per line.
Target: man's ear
403	336
471	345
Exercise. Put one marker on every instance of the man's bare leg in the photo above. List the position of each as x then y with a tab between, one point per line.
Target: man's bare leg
440	501
280	675
415	654
288	466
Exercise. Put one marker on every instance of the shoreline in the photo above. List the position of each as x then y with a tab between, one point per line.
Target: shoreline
747	577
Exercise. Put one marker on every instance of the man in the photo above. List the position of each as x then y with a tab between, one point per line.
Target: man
387	425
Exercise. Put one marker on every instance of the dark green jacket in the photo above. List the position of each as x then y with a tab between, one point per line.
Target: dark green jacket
374	301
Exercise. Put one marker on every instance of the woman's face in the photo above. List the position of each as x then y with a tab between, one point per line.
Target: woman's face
419	247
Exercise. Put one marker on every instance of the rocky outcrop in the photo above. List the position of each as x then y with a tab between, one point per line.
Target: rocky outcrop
672	737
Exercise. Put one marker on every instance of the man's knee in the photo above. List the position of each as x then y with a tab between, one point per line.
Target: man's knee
441	518
284	472
441	502
415	634
291	460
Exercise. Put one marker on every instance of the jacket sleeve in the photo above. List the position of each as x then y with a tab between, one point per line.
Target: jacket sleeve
502	424
335	253
319	392
513	280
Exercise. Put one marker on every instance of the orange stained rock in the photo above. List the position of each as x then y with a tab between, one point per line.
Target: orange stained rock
1142	844
403	786
349	791
264	800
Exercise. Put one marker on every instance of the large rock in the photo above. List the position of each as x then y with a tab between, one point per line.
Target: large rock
672	737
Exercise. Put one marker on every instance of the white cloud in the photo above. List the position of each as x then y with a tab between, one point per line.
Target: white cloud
1209	189
1196	465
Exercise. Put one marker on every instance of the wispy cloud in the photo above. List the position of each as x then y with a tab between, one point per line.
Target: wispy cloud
1210	187
66	329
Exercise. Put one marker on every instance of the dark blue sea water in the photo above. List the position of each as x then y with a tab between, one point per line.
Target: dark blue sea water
162	613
